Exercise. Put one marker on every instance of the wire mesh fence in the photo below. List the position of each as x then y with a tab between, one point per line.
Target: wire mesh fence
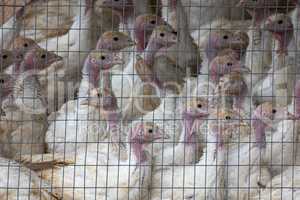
149	99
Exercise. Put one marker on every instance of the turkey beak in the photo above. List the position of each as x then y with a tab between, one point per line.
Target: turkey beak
118	61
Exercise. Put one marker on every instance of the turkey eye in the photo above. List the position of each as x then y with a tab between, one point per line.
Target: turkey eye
43	56
25	45
2	81
150	131
174	32
99	95
229	64
227	117
280	22
102	57
225	37
116	0
116	38
162	35
4	56
199	105
152	22
274	111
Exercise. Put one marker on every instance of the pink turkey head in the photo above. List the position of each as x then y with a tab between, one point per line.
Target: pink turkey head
114	41
164	35
143	27
147	132
222	65
197	109
103	60
281	26
224	39
38	59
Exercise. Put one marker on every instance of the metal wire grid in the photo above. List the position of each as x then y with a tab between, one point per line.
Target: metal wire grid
86	189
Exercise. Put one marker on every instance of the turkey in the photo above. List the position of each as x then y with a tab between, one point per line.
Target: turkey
80	116
26	107
282	75
111	181
130	87
216	169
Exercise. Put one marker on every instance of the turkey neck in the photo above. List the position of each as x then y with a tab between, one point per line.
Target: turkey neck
188	136
285	68
151	50
138	152
259	130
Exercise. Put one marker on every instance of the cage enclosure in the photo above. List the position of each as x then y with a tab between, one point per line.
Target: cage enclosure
149	99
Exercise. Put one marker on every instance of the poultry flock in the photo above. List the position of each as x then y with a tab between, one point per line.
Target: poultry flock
149	99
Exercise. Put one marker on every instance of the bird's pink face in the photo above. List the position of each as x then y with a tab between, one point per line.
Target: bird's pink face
268	113
40	59
147	132
114	41
148	22
279	23
164	35
143	28
104	60
281	26
226	39
197	110
226	64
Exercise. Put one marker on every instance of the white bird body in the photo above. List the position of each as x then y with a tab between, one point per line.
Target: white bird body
264	90
18	182
197	178
258	54
102	177
73	126
284	186
125	84
166	118
281	149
